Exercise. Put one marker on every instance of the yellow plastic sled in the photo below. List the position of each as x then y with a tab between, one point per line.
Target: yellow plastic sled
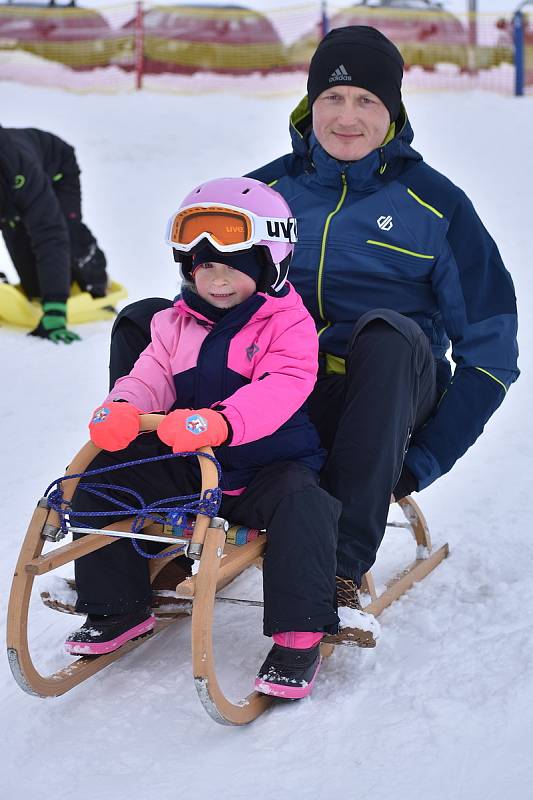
16	309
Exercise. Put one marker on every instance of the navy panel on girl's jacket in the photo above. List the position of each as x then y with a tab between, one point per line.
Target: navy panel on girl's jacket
211	378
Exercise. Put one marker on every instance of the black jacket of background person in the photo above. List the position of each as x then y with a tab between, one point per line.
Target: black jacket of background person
30	161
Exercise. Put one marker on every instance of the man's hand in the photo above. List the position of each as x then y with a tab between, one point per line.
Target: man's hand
114	426
186	430
53	325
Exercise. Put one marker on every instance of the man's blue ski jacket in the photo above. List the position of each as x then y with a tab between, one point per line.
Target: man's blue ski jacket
390	232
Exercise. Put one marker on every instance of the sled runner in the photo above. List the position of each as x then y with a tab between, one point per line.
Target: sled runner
220	559
17	310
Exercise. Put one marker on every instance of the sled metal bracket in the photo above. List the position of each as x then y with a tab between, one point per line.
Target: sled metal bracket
51	533
194	549
219	522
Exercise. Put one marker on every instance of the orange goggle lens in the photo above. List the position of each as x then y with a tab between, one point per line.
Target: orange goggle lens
226	227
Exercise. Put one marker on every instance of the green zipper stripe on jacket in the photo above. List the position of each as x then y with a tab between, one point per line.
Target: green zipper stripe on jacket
494	378
426	205
323	247
273	183
399	249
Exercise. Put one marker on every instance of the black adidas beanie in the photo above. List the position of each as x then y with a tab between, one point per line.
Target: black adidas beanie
358	55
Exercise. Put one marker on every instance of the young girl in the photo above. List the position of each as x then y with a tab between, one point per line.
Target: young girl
231	363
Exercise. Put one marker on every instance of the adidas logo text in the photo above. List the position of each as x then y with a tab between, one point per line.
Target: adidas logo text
340	74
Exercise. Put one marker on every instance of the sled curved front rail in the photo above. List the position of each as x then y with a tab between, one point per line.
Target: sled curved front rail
211	541
31	563
214	701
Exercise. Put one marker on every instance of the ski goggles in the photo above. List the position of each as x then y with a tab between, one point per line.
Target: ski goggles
227	228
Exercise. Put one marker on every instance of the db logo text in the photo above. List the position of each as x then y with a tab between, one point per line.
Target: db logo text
385	223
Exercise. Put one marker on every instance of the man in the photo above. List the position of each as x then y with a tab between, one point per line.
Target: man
393	263
41	222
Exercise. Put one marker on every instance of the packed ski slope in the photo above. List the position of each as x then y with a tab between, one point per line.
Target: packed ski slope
443	708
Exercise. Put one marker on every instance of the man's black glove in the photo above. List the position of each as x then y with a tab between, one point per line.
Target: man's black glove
407	483
53	324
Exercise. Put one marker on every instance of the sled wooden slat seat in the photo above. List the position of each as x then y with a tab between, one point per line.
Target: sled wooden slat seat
238	559
218	564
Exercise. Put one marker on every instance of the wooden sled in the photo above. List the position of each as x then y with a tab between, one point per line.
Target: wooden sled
17	310
219	564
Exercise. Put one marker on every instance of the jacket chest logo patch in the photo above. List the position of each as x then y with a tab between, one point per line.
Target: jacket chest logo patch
385	223
251	351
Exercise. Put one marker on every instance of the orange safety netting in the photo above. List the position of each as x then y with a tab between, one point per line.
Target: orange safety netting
194	48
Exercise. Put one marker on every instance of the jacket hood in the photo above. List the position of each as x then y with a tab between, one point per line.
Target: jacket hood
380	166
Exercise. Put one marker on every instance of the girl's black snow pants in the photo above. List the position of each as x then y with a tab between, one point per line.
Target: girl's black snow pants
284	498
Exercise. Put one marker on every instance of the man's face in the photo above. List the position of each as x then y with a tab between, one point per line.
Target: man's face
349	122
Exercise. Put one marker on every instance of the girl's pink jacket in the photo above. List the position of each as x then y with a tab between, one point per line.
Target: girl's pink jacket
269	365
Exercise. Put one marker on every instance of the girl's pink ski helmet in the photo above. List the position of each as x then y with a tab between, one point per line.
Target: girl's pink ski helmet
274	227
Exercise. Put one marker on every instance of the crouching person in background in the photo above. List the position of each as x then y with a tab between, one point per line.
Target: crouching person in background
42	226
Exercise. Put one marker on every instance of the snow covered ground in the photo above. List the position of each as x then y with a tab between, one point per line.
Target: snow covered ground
443	708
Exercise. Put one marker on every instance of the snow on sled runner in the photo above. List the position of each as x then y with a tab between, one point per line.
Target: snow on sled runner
61	595
219	562
18	311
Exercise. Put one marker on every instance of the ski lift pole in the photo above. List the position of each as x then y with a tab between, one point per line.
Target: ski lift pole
139	45
518	42
324	21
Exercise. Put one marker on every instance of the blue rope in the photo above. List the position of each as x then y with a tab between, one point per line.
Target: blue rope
206	504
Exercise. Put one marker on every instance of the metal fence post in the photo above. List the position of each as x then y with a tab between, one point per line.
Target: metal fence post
324	21
518	42
139	45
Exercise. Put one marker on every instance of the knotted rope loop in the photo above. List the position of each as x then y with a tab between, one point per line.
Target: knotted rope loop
166	511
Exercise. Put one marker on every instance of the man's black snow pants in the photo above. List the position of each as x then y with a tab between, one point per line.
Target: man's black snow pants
365	418
284	498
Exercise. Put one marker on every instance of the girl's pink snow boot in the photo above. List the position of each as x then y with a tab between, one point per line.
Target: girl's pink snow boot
290	668
104	634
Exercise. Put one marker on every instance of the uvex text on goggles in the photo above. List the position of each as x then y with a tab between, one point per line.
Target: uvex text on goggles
228	228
